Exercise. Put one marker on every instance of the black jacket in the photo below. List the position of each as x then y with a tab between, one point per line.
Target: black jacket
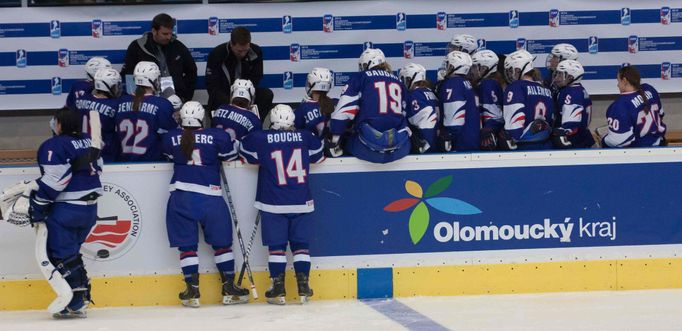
220	72
181	65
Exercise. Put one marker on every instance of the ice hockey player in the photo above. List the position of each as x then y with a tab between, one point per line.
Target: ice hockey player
374	101
103	103
196	200
283	196
487	83
574	107
65	199
316	108
239	117
142	119
82	87
461	118
422	108
528	106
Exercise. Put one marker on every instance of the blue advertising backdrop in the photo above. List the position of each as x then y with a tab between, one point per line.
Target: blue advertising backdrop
536	207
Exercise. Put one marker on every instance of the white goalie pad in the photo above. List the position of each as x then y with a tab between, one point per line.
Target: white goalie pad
14	202
53	276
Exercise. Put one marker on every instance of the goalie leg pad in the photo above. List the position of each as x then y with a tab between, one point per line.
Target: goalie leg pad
53	276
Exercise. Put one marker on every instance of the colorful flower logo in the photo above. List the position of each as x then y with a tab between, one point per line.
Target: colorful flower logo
419	219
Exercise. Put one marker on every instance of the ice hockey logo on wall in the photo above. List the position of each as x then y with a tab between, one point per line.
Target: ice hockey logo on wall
287	24
118	225
63	57
513	18
213	26
96	28
56	86
55	29
481	44
328	23
401	21
554	18
441	21
665	15
521	44
421	201
367	44
666	70
408	49
633	44
288	80
295	52
593	45
625	16
21	58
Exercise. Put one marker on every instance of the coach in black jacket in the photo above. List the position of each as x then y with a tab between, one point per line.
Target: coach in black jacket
171	55
236	59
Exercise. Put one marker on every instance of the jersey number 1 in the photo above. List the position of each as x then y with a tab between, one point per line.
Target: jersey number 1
294	167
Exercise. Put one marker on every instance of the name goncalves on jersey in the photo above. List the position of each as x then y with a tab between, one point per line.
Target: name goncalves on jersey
118	226
564	231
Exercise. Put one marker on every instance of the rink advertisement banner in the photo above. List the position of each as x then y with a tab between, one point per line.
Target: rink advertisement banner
374	215
497	209
47	45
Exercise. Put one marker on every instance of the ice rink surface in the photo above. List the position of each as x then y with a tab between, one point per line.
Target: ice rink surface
652	310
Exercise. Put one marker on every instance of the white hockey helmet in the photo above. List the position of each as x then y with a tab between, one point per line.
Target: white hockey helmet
94	64
192	115
282	117
559	53
147	74
463	43
319	79
568	72
457	63
412	73
243	88
371	58
518	64
108	80
484	64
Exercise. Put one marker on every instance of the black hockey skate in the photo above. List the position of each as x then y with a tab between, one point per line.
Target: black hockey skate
190	297
77	308
304	290
277	293
232	294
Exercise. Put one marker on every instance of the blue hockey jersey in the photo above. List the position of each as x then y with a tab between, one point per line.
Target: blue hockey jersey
139	132
236	121
655	105
489	94
107	111
79	88
375	97
309	117
201	173
284	158
524	102
629	125
59	180
422	113
574	113
461	117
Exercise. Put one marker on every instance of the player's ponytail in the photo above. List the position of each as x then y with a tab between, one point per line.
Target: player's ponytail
241	102
140	91
383	66
326	103
187	142
70	122
631	74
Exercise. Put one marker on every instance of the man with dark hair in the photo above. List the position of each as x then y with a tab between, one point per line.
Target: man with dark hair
236	59
178	70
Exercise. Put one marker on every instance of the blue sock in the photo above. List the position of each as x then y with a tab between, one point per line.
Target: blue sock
301	258
189	261
277	260
224	259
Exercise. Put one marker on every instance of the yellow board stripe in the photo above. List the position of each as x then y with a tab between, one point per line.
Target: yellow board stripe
162	290
571	276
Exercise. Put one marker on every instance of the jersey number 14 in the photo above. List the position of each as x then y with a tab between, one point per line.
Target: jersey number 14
294	167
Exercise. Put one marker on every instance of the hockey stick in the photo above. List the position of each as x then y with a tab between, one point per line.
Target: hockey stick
248	248
53	276
233	213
